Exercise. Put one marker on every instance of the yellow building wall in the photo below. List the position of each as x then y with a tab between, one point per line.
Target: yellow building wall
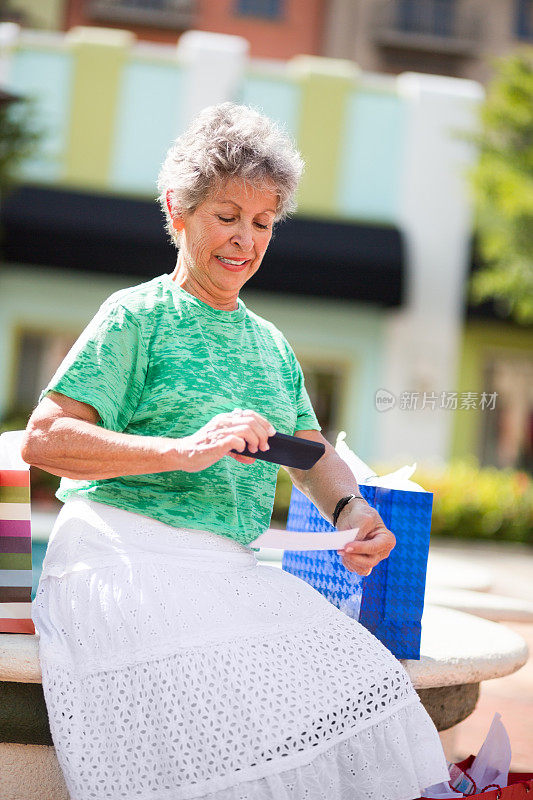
40	14
481	341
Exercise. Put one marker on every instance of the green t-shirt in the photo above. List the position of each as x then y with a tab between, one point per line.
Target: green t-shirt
156	361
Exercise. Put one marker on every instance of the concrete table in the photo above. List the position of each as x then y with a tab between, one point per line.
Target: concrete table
458	652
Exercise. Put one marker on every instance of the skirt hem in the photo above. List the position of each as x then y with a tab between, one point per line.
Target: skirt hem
210	788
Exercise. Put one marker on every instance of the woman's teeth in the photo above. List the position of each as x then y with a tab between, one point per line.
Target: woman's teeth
230	261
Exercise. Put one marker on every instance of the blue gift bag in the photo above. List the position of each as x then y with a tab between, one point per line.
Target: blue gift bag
391	598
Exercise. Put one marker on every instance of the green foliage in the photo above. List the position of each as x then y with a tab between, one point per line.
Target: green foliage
282	499
472	502
18	139
502	183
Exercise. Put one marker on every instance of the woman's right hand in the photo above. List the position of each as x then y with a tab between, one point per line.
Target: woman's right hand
233	430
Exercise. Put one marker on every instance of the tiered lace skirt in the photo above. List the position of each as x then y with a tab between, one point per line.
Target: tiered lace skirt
176	666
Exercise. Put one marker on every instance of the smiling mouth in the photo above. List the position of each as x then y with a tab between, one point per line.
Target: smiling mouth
233	263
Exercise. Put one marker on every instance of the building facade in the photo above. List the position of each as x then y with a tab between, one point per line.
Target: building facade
459	38
368	281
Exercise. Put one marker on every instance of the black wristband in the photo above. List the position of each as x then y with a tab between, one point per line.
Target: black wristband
344	502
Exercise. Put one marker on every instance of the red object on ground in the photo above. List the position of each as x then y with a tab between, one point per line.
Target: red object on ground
519	787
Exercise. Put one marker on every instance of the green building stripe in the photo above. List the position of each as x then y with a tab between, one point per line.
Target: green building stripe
15	560
481	341
14	494
326	86
98	59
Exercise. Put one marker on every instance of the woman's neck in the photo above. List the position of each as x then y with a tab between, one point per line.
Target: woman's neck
215	298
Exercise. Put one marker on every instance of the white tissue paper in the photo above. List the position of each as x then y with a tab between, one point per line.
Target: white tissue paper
489	768
492	763
10	446
399	479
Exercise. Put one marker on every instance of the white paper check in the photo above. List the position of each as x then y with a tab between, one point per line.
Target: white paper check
302	540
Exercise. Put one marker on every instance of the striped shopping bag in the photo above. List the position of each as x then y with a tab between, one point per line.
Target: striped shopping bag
15	538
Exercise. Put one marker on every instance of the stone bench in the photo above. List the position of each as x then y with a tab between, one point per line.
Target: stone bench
450	572
458	652
489	606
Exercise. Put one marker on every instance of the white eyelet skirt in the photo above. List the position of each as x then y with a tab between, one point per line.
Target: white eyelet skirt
176	666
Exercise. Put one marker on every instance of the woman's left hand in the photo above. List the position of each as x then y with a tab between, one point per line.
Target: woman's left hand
373	542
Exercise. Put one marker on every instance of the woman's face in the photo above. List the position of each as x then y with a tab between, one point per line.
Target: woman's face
225	238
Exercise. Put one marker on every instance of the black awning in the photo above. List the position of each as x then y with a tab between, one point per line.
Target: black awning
105	233
332	259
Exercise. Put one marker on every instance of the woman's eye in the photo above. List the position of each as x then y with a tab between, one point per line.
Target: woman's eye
263	227
226	219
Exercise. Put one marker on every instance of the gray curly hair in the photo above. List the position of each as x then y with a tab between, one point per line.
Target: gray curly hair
223	142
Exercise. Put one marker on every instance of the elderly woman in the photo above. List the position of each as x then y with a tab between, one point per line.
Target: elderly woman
174	665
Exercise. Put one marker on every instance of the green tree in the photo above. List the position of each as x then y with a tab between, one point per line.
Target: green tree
502	183
18	137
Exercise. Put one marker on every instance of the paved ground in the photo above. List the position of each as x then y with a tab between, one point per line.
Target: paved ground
512	571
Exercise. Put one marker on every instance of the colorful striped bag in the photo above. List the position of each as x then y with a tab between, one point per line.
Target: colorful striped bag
15	537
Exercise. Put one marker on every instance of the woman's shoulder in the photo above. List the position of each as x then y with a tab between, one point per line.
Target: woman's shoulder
271	332
142	297
263	324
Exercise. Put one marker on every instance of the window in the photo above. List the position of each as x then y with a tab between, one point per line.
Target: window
507	431
325	387
524	19
177	14
267	9
434	17
39	355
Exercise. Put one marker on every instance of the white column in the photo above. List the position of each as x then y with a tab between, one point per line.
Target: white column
423	338
9	36
215	65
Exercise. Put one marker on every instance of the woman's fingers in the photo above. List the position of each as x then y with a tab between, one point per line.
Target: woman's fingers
232	442
234	431
260	426
377	546
361	556
251	426
363	566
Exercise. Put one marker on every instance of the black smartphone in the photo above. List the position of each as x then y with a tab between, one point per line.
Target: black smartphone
290	451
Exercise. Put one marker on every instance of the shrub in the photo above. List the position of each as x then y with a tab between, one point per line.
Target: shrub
472	502
282	499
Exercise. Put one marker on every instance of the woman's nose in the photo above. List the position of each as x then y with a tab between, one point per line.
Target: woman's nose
243	237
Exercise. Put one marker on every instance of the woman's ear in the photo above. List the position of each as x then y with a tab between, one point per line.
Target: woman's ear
175	216
168	197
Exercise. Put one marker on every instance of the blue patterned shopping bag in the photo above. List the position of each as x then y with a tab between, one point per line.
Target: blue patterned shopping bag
391	598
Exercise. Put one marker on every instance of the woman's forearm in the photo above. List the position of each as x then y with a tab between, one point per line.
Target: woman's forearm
74	448
326	482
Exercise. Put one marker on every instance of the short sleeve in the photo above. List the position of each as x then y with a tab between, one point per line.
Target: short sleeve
306	418
106	367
